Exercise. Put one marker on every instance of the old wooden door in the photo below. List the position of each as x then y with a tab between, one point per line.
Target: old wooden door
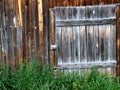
84	37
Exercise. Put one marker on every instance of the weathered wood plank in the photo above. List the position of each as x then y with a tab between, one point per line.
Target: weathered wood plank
35	40
15	57
1	57
40	22
29	30
59	3
36	28
46	42
25	19
118	41
95	2
80	2
51	3
59	45
87	65
52	35
19	13
85	22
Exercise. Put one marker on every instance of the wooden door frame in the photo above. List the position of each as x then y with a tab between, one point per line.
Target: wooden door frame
118	40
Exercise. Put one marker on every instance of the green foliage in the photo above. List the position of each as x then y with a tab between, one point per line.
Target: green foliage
30	76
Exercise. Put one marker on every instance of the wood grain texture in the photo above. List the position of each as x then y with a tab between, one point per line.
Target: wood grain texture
87	65
118	41
53	3
86	22
24	29
84	37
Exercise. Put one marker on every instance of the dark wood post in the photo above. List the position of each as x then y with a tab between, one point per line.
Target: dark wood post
46	40
25	21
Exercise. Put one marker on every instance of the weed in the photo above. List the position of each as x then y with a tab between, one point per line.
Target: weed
30	76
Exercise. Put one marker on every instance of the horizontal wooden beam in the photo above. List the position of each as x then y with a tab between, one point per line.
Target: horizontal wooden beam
100	5
85	22
87	65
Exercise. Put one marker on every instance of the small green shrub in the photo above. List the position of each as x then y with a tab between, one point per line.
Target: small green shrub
30	76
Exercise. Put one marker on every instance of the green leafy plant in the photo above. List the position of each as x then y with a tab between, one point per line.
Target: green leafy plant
31	76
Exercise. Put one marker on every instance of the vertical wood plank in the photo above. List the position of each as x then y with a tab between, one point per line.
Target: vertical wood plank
102	1
89	2
30	31
69	28
51	3
1	29
40	23
76	44
19	31
118	41
8	33
19	2
70	2
23	30
15	46
46	32
95	2
52	35
64	44
36	27
81	2
59	56
1	44
60	3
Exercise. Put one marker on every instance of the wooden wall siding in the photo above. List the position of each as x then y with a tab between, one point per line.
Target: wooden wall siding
53	3
10	32
21	30
31	33
24	31
32	29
